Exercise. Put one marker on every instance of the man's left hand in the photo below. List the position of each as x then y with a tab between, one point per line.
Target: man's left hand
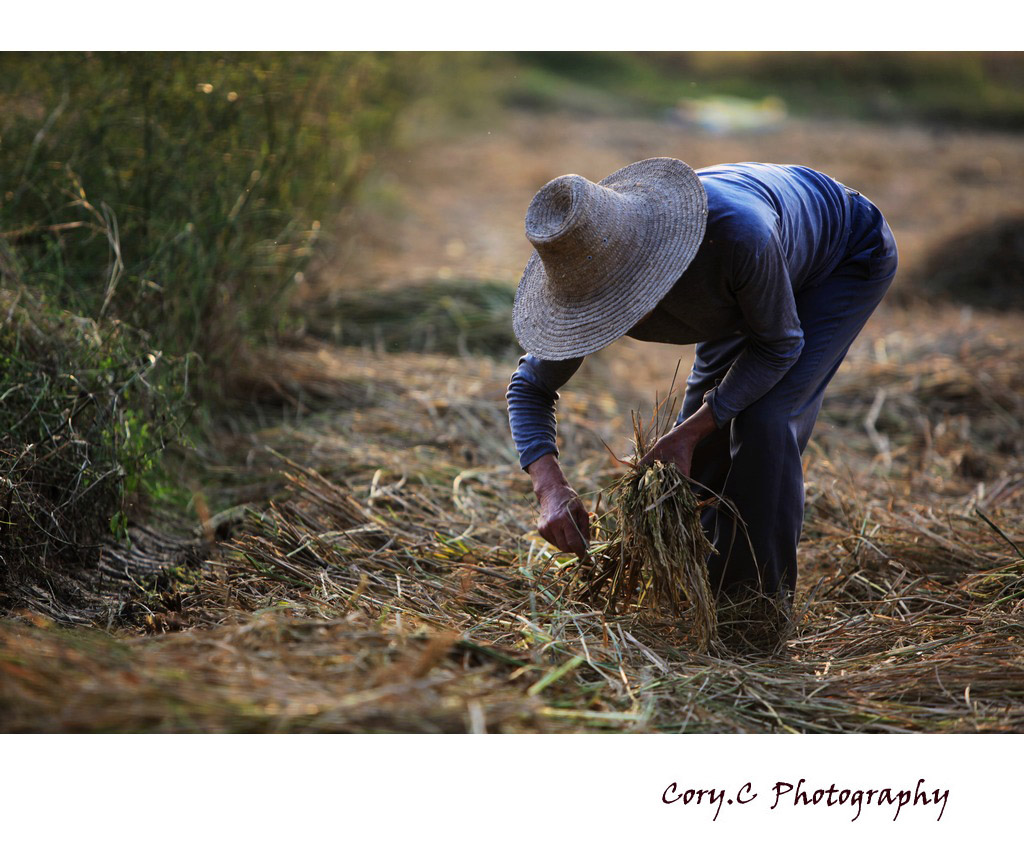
676	447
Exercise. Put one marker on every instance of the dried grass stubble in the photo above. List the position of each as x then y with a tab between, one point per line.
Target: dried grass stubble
910	605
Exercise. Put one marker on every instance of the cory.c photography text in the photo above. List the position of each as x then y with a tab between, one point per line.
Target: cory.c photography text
785	794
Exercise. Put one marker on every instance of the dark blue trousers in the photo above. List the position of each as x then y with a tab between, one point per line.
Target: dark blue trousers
755	462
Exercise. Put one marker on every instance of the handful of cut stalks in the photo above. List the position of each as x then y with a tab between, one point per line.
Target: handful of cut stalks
653	551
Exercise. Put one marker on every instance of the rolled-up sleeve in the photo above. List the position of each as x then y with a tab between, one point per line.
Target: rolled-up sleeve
531	396
763	291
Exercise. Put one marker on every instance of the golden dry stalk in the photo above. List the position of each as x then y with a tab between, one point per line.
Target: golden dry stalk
654	551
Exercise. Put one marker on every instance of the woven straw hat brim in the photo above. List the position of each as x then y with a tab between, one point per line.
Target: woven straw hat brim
667	206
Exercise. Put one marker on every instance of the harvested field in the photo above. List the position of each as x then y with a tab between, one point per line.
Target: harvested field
394	582
372	563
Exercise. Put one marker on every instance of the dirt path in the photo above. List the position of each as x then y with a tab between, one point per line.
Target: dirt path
449	208
452	207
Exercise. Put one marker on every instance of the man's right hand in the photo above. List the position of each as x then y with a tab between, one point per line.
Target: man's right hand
564	521
563	518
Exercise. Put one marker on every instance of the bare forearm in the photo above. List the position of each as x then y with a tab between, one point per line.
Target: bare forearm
563	518
546	475
699	425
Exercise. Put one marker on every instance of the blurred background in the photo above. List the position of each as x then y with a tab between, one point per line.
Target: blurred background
211	262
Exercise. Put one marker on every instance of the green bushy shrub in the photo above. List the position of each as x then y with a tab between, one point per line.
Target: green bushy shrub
181	192
154	210
85	411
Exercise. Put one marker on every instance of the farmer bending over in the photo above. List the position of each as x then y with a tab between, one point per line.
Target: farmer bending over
771	270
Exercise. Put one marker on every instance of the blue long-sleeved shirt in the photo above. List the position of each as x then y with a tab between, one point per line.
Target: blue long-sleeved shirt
772	230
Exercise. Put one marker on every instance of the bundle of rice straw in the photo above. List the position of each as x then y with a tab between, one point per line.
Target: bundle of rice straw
655	551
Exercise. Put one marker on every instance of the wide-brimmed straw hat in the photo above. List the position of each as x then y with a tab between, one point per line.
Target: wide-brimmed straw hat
606	254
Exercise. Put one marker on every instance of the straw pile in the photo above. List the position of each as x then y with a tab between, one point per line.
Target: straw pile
453	317
980	266
384	572
655	551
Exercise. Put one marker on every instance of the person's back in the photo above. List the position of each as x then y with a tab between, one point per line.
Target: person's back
809	211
